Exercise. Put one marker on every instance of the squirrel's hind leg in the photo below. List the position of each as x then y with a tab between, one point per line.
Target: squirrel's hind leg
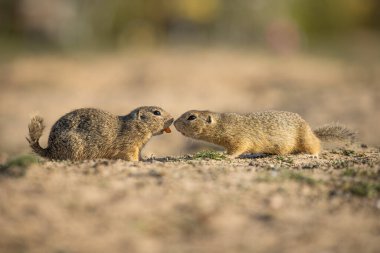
310	144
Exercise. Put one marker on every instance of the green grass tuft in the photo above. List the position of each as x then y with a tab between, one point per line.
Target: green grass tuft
285	159
17	166
286	175
209	154
22	161
298	177
348	152
350	172
363	189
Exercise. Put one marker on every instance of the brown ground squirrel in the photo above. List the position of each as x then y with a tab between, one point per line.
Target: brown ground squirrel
90	133
270	132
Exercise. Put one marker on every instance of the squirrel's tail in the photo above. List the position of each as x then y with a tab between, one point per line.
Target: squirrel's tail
36	127
335	132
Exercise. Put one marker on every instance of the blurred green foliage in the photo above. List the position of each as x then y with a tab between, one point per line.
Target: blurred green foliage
326	17
17	166
71	23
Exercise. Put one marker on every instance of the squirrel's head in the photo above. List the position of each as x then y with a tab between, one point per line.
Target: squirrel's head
194	124
155	118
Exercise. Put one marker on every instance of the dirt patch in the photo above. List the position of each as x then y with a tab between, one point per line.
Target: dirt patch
320	89
203	202
194	203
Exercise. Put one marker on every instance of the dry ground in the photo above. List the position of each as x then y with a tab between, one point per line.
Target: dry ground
173	202
193	204
320	89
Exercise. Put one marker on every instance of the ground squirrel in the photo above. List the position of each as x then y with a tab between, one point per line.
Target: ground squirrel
270	132
90	133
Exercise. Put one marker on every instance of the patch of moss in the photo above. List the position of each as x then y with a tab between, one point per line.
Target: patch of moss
363	189
362	173
348	152
287	175
17	166
298	177
349	172
285	159
209	154
340	164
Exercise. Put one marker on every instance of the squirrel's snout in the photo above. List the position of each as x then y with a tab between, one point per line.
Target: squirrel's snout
176	124
169	122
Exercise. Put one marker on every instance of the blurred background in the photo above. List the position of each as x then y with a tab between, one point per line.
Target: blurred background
320	59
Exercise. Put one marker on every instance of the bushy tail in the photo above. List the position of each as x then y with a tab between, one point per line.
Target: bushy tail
335	132
36	127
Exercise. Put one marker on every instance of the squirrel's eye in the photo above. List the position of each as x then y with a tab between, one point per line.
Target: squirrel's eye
191	117
157	113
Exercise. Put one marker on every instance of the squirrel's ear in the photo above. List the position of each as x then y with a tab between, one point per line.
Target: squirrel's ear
136	114
209	119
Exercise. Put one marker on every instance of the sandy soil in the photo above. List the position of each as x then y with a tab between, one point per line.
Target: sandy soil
174	201
186	204
321	89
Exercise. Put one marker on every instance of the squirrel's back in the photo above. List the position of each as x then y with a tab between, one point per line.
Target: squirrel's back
93	124
90	133
265	121
274	132
77	132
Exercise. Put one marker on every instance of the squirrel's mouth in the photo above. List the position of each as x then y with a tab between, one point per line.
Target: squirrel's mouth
181	131
180	128
166	128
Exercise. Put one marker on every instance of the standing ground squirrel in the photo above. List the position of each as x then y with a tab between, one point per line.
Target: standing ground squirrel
90	133
270	132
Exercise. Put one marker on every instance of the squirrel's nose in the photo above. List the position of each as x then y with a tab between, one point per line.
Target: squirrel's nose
169	122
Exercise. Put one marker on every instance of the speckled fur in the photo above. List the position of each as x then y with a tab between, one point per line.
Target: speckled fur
90	133
270	132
